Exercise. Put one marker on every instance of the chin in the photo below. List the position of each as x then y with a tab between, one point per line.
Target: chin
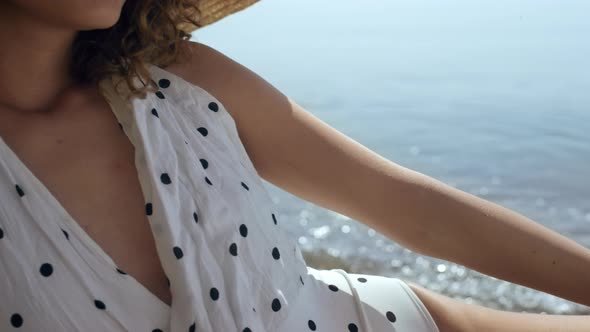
73	14
101	14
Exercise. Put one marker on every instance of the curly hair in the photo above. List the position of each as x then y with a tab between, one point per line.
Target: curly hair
147	31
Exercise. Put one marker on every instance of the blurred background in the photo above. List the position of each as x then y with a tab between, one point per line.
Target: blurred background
491	97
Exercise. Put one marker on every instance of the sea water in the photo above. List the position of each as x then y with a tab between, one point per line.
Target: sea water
490	97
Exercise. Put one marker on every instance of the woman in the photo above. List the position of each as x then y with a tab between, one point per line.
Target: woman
165	225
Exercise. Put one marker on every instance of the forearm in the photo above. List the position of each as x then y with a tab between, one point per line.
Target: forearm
486	237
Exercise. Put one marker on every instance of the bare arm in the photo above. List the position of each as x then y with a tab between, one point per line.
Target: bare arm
484	236
301	154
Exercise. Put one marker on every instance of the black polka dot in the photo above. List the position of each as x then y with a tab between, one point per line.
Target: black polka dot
213	106
214	293
46	269
204	163
300	278
274	219
361	279
99	304
245	186
164	83
233	249
208	181
352	327
243	230
391	316
195	217
311	325
178	252
16	320
247	329
333	288
253	309
160	94
154	112
276	305
121	271
66	234
148	209
157	330
192	328
20	192
165	178
203	131
275	253
1	233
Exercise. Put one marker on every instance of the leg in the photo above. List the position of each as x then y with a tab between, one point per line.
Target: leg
452	315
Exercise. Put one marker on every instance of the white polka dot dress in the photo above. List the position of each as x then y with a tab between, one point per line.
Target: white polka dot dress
230	264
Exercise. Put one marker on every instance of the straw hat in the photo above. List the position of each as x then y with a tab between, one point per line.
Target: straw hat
214	10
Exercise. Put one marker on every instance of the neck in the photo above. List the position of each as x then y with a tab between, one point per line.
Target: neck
34	61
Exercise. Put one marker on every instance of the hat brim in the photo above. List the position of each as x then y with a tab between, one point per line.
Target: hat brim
214	10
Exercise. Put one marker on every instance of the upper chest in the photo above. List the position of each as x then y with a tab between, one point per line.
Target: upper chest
80	155
86	162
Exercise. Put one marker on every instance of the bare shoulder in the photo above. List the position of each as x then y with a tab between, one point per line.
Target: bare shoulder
261	112
205	65
211	70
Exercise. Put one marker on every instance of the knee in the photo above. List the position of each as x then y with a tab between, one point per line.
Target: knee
449	315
